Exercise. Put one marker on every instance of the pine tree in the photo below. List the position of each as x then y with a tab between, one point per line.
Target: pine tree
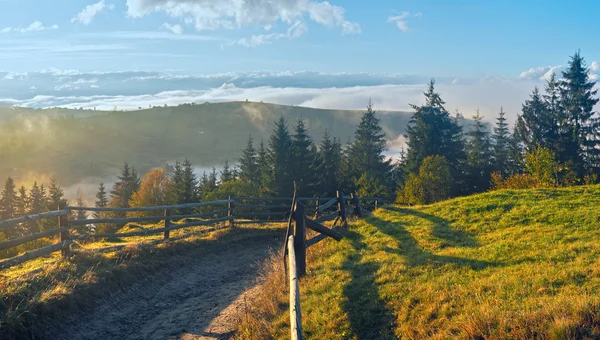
177	182
501	140
56	199
37	199
578	100
226	173
478	156
22	202
279	180
9	200
212	180
101	200
535	123
203	186
81	214
303	160
263	166
128	183
431	131
331	158
366	153
248	163
190	183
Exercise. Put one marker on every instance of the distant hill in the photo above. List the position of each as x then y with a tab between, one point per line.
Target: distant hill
79	144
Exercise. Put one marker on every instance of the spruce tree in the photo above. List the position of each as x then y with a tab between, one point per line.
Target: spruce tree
190	183
56	199
331	158
37	199
203	186
501	139
81	214
431	131
22	201
366	153
128	183
226	173
248	163
263	166
177	182
578	100
101	200
535	123
8	200
212	180
303	159
478	156
279	180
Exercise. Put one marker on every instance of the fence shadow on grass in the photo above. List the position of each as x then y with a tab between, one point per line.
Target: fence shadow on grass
369	316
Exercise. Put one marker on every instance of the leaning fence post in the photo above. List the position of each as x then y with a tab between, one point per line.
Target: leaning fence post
357	208
167	224
341	206
316	208
63	222
300	239
230	213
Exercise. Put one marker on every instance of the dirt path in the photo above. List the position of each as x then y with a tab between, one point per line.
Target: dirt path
195	299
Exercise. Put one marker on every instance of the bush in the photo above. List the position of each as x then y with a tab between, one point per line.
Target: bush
433	183
370	186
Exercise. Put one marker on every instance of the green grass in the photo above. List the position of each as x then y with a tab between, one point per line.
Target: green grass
501	265
33	148
42	291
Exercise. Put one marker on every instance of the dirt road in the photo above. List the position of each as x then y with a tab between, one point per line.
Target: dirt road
194	299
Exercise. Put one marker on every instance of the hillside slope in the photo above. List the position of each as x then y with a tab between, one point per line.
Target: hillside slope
501	265
208	134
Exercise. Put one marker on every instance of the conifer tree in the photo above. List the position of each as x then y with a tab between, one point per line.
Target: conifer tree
578	100
101	200
37	199
212	180
263	166
279	180
81	214
248	163
8	200
535	123
56	199
478	156
431	131
203	186
226	173
190	183
177	182
366	152
331	158
22	201
501	139
302	162
128	183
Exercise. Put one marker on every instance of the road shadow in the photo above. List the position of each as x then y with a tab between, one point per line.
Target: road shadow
415	255
369	316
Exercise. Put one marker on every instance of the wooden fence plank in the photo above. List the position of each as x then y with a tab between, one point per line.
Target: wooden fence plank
159	207
201	223
272	213
325	206
295	310
34	254
300	238
329	217
323	230
29	238
7	223
146	218
260	221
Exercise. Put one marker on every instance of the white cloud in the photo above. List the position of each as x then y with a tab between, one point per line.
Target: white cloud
36	26
400	21
211	14
177	29
542	73
595	66
87	15
418	14
297	30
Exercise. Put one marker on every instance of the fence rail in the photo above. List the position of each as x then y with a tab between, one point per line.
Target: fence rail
234	213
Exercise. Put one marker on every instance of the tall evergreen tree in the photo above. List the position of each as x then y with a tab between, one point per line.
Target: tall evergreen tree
8	200
190	183
263	165
56	196
331	158
81	214
177	182
22	201
203	186
578	100
431	131
303	160
37	197
501	139
212	180
279	180
128	183
227	173
478	156
101	200
535	123
248	163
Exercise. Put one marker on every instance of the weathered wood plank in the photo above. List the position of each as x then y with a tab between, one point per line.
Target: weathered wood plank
130	234
327	205
260	221
201	223
295	310
300	238
274	206
160	207
29	238
329	217
272	213
7	223
146	218
323	230
34	254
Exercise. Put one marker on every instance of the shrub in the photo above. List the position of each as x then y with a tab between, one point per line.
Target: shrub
433	183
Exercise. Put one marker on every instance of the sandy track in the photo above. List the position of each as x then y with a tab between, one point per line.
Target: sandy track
194	299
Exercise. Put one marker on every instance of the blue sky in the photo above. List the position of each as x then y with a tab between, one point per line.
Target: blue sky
508	45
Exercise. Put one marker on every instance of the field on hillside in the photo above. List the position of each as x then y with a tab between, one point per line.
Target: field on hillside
502	265
79	147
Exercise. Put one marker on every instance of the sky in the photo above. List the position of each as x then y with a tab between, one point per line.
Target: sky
337	54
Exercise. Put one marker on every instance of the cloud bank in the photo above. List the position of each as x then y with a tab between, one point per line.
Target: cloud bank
87	15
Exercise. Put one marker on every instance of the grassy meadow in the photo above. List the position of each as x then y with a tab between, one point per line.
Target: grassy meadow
520	264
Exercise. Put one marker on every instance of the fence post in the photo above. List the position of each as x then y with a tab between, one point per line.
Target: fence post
376	201
317	208
357	208
167	224
341	206
63	222
300	239
230	213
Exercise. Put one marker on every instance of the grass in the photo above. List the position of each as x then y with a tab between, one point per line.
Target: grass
502	265
40	292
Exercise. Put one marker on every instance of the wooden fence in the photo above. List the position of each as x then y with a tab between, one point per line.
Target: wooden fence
232	211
